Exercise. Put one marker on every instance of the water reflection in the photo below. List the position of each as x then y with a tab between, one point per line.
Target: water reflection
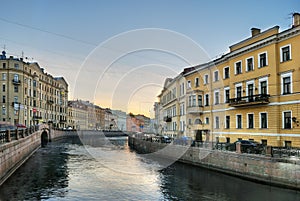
67	171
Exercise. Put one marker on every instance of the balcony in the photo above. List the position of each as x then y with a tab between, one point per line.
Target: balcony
250	100
194	110
37	117
200	127
62	121
50	102
16	82
168	119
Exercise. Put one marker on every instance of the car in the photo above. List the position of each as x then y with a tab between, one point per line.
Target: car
248	146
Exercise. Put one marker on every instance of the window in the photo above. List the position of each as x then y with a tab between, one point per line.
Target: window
3	87
16	77
227	122
3	76
200	101
16	99
250	90
263	120
4	65
250	64
196	82
206	79
217	122
193	100
3	99
285	53
226	95
226	72
287	119
250	120
216	76
263	86
262	60
206	120
16	66
206	99
238	67
188	84
238	121
34	83
16	89
217	97
238	91
286	83
4	110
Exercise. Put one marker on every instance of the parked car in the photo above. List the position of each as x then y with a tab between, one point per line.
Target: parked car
247	146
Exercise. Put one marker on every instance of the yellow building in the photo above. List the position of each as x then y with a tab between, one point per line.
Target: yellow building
29	95
252	92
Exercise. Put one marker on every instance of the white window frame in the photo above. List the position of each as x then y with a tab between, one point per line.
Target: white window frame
216	78
217	126
282	117
225	126
246	62
205	103
206	120
248	83
235	87
259	84
236	121
248	120
260	126
197	78
224	72
226	88
204	78
189	84
284	75
290	48
240	61
215	102
258	61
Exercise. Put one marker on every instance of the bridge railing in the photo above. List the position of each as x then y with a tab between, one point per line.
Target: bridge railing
15	134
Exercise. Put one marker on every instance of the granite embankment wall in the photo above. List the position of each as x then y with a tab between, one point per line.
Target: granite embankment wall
14	153
263	169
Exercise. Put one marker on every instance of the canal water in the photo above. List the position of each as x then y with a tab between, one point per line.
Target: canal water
70	171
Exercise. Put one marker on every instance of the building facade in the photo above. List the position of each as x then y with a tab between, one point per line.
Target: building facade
120	119
31	96
251	93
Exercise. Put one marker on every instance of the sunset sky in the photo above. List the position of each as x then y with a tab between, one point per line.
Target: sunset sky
117	53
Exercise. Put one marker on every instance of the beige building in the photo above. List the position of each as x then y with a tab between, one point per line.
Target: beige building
77	115
251	92
31	96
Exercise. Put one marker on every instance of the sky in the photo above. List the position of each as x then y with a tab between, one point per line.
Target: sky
117	53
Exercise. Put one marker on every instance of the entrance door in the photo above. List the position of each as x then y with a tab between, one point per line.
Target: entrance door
199	136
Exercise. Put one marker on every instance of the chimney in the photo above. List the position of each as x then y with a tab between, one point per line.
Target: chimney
255	31
296	19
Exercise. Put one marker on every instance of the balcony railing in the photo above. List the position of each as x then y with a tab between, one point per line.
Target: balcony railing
16	82
249	100
200	127
168	119
50	101
194	110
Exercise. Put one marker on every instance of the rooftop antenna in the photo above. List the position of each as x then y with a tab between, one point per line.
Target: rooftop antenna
22	54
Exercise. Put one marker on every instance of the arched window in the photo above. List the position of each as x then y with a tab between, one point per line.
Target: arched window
198	121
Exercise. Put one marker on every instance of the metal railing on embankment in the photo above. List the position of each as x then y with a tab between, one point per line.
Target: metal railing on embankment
15	134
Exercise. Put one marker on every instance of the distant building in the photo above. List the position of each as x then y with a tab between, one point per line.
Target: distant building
29	95
77	115
137	123
120	119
